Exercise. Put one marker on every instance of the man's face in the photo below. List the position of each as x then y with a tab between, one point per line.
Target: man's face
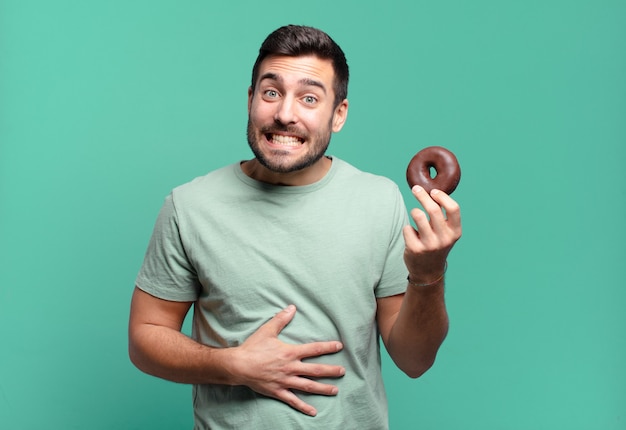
290	113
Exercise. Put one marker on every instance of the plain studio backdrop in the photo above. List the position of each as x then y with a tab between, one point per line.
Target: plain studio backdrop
107	105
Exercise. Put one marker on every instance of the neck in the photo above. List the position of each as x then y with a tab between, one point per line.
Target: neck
307	176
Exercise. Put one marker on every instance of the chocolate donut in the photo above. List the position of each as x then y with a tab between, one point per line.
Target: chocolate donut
448	172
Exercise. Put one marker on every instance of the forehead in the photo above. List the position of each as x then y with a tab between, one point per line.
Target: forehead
298	69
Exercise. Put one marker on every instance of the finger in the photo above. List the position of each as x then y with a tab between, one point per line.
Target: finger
432	208
311	386
279	321
441	222
411	238
315	349
423	232
317	371
295	402
452	208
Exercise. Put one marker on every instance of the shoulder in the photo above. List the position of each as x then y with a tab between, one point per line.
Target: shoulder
207	186
354	191
359	181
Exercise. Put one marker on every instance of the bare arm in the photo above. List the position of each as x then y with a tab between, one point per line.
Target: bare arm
263	363
413	325
157	347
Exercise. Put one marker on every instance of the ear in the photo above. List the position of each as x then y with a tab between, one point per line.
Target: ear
340	115
249	98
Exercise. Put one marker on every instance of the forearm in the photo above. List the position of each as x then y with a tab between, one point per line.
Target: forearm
420	327
169	354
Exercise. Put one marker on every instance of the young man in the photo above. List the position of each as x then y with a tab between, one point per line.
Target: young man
295	262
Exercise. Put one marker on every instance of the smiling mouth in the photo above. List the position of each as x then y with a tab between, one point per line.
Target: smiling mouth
279	139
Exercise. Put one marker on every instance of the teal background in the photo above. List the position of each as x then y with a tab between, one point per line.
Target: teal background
105	106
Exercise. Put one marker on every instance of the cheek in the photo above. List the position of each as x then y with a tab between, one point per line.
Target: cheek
316	120
260	113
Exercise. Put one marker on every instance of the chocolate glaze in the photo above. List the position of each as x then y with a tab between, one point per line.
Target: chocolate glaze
445	164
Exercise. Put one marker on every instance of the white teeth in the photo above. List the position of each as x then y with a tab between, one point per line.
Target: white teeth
285	140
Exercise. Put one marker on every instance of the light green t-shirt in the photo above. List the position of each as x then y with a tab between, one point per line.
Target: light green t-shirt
243	250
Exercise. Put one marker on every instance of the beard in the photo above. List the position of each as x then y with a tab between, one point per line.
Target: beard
280	161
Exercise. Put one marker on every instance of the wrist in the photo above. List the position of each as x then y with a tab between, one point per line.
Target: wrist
232	365
419	282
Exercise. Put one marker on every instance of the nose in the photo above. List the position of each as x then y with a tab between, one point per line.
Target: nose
285	112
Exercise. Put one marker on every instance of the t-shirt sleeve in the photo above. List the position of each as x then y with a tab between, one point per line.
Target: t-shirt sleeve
393	280
166	271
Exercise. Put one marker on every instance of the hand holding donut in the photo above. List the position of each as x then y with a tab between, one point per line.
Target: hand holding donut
438	226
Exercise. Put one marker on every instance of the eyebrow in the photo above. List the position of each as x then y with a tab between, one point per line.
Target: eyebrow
303	81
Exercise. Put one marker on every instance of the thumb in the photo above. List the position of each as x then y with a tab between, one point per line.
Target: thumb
280	320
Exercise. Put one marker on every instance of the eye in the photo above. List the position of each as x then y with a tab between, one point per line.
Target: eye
310	100
272	94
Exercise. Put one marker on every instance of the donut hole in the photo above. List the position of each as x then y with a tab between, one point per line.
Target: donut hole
432	171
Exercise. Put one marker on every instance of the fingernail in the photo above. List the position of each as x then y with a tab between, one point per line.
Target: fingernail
435	191
417	188
338	346
290	308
